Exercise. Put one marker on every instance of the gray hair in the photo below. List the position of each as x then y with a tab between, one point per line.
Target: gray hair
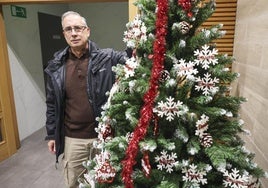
73	13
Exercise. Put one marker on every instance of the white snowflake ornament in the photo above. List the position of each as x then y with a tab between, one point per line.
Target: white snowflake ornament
187	69
205	57
166	161
207	84
194	175
170	109
235	180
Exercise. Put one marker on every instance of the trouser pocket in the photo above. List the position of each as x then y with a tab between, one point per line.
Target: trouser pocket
72	171
76	151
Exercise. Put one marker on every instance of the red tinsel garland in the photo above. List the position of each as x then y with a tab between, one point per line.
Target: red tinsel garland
146	112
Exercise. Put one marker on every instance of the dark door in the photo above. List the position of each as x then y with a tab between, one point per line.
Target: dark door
51	37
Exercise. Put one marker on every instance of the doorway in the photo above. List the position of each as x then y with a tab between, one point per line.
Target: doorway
51	37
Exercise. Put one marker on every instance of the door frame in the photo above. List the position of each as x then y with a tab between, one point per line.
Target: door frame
12	143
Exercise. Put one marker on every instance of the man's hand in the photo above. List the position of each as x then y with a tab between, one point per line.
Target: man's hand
51	146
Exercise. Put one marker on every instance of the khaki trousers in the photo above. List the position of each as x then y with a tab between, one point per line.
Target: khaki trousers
76	151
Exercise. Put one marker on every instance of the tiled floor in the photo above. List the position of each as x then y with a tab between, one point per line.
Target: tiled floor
32	166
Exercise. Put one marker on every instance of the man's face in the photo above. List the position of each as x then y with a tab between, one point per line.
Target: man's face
75	31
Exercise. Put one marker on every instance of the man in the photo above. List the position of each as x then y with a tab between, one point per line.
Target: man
78	78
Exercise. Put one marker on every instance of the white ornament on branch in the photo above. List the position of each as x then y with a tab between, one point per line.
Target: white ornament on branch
202	125
130	66
184	68
207	84
194	175
136	33
170	109
234	179
205	57
166	161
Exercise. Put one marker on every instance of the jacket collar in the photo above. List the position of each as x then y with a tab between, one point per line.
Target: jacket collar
60	56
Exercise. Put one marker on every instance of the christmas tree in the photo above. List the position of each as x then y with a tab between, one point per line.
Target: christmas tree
170	121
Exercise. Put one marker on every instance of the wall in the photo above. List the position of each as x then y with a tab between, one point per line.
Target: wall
26	66
107	22
23	37
25	52
29	99
250	51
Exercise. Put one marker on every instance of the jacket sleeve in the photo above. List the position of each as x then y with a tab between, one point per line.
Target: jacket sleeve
50	112
121	56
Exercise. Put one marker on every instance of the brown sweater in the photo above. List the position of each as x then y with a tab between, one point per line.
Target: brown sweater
79	119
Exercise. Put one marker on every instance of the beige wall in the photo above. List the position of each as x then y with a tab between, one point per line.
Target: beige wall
251	53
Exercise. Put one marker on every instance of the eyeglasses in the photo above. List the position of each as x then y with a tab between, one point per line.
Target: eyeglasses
77	29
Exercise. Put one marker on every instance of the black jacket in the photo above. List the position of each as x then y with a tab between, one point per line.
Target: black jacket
100	80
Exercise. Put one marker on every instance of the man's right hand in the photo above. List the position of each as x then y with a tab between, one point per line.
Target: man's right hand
51	146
